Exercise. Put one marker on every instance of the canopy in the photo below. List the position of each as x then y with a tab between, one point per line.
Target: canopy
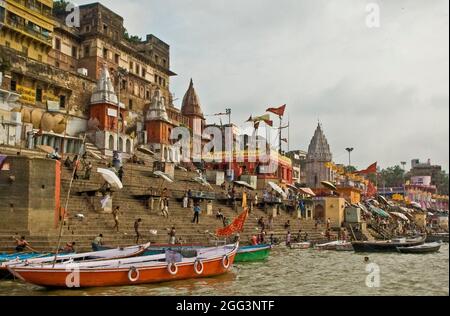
363	208
307	191
292	187
329	185
400	215
181	168
163	176
277	188
383	199
244	184
379	211
110	177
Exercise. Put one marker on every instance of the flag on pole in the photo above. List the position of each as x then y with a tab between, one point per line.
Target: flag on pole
371	190
236	226
370	170
278	111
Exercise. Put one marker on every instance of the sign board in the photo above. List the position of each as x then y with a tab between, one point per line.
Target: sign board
53	106
112	112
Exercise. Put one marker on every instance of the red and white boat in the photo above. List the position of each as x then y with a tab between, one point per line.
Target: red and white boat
131	271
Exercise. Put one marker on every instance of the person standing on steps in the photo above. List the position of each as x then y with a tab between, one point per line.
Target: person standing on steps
165	208
137	223
186	200
197	211
87	171
120	173
172	236
115	215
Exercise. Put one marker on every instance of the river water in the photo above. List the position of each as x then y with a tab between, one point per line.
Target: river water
296	273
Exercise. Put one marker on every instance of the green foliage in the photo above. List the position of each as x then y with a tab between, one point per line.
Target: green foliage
350	169
441	182
392	177
59	7
132	38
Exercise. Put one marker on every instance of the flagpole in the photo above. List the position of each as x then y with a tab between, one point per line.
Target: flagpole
280	136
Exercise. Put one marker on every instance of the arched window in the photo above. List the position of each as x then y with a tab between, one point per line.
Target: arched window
166	154
121	144
128	146
111	142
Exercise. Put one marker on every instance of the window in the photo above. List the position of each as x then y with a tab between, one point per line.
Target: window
131	66
87	28
86	50
57	65
116	58
105	53
25	50
40	58
156	78
130	104
128	146
62	101
144	72
137	69
74	52
156	59
7	44
105	28
147	94
111	142
164	63
58	44
38	94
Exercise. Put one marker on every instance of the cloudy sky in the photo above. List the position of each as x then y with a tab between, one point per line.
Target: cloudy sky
383	91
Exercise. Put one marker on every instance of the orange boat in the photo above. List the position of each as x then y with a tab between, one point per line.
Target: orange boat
132	271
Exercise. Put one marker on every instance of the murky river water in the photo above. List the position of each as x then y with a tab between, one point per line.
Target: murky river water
295	272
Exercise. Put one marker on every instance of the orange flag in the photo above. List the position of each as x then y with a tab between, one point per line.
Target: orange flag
278	111
371	169
235	227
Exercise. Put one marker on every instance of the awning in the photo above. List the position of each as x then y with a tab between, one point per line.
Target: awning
379	211
307	191
400	215
110	177
277	189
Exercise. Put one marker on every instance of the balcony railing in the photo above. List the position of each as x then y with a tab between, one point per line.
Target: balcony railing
28	29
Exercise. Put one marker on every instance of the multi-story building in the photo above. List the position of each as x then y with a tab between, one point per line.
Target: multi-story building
298	158
26	26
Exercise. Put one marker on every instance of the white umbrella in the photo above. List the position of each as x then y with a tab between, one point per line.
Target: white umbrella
110	177
163	176
244	184
277	189
202	181
400	215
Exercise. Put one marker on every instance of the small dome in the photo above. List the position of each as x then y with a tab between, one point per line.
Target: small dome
191	103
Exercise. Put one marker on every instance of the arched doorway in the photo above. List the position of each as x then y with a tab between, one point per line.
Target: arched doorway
121	144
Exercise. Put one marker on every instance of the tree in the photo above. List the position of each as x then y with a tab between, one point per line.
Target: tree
132	38
350	169
392	177
59	7
441	181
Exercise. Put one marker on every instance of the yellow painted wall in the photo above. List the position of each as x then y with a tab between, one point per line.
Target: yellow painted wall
335	210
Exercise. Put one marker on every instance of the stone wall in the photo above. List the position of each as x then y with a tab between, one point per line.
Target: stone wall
27	195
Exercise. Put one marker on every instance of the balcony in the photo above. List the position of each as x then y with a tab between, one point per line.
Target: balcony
35	7
14	24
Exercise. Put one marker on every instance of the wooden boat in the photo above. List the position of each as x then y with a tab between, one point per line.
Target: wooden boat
131	271
425	248
387	245
443	237
300	245
253	253
332	245
117	253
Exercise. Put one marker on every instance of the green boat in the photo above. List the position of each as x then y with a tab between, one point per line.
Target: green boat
253	253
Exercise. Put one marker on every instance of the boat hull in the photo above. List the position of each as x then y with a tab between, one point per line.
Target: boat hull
437	238
109	276
253	253
419	250
363	246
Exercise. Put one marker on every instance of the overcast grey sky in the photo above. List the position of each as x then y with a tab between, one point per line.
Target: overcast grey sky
383	91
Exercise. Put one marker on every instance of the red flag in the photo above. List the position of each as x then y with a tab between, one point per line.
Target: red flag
236	226
278	111
371	169
371	190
